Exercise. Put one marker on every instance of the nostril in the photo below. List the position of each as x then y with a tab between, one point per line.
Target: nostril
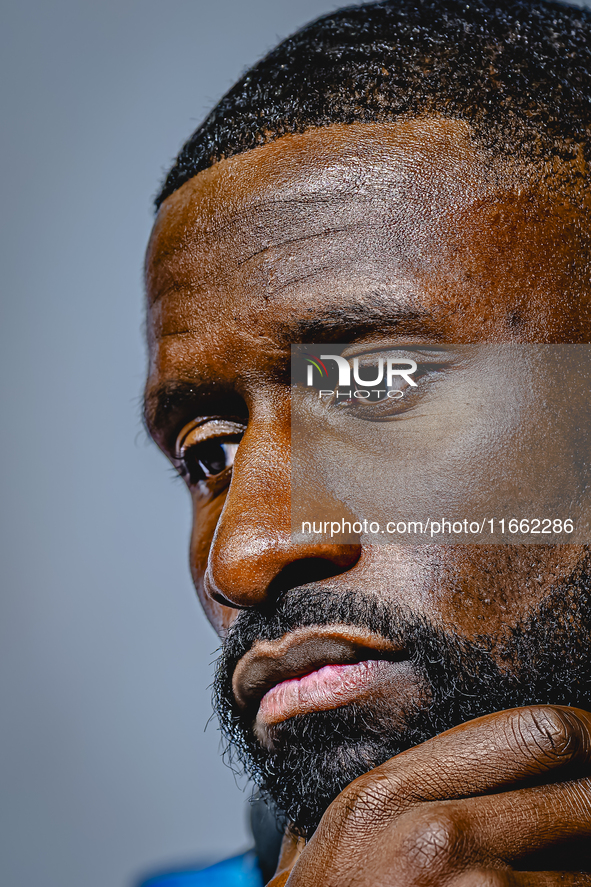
306	571
219	598
300	572
250	569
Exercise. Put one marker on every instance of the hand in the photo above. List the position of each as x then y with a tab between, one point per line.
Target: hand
501	800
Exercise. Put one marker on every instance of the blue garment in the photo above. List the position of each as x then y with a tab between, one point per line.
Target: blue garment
239	871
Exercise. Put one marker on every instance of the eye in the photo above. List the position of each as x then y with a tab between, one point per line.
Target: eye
208	459
206	449
382	402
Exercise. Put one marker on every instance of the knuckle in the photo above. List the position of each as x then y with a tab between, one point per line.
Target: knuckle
551	734
361	807
433	840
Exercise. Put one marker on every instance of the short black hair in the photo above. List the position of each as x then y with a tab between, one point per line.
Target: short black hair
518	71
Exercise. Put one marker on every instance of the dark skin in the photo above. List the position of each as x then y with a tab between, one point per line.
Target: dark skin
446	245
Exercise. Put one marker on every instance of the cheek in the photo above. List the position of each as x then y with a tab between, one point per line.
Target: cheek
469	589
488	590
205	518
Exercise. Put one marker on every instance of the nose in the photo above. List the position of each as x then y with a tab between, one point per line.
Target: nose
253	558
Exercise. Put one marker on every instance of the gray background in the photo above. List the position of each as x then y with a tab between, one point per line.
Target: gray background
106	771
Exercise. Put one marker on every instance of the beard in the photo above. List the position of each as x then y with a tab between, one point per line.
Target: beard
312	757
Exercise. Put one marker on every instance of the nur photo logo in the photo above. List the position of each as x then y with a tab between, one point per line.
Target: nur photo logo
352	378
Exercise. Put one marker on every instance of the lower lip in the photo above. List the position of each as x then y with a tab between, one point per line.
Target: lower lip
329	687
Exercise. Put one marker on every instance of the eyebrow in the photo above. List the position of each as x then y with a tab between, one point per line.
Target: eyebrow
333	324
172	399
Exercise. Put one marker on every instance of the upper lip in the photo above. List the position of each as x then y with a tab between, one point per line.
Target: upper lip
300	652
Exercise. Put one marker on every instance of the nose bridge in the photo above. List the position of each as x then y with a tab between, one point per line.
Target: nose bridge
254	527
252	544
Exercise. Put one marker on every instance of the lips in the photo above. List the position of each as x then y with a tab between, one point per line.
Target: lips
312	669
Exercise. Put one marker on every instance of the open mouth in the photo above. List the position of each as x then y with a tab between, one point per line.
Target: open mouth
313	669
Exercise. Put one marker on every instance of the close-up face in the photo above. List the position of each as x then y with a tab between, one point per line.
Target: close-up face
407	233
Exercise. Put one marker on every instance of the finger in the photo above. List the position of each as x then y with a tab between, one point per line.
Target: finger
490	753
443	841
511	827
495	878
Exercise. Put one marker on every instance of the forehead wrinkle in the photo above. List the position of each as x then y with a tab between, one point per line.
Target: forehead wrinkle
271	204
401	302
327	232
389	191
242	222
186	282
243	198
381	188
198	221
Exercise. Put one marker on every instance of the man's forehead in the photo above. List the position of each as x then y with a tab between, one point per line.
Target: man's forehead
332	216
423	167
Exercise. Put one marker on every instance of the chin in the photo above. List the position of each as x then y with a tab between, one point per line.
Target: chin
303	763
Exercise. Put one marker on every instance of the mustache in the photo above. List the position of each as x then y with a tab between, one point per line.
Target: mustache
309	606
328	604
